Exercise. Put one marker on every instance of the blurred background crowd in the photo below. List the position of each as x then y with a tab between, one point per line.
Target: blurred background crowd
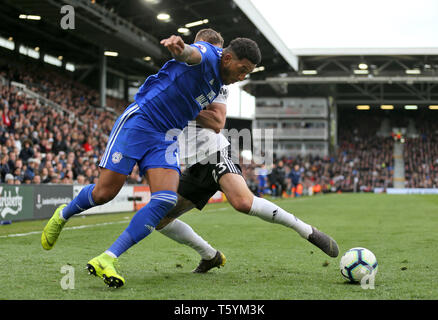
40	144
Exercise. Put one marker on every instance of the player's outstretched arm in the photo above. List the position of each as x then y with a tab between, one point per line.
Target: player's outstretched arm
213	116
180	51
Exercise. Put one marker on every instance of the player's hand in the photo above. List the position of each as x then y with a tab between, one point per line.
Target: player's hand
174	44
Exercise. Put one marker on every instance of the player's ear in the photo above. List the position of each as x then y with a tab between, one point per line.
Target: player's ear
227	57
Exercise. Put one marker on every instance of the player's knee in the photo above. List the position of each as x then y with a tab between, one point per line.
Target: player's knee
241	203
103	195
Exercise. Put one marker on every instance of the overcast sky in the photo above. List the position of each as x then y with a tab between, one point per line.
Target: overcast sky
352	23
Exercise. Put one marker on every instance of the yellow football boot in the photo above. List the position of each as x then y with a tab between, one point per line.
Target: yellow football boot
104	267
53	229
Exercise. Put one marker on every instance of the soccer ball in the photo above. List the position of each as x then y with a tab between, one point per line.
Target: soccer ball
356	263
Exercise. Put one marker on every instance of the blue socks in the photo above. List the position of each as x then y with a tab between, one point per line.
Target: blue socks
144	221
82	202
141	225
123	243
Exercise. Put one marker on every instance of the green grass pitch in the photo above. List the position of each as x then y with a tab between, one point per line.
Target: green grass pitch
264	261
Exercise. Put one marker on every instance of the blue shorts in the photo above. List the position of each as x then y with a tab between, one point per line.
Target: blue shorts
133	140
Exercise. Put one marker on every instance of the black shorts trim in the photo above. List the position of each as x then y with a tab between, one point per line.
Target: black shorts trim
200	182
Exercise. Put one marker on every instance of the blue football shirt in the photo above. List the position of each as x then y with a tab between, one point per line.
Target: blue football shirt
178	92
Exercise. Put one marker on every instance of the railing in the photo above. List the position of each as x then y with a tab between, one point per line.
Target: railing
22	87
291	107
301	148
302	133
287	112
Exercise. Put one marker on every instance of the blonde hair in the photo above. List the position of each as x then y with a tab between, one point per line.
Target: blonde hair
210	36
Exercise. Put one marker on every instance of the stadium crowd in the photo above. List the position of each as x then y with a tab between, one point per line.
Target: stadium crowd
362	162
40	144
421	156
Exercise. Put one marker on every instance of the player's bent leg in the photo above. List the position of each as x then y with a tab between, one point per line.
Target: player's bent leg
163	179
164	223
238	194
107	187
182	233
163	184
182	206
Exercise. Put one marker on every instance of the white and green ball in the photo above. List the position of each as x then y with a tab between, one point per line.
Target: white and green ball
357	263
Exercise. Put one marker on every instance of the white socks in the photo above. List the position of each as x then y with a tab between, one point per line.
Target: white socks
270	212
112	255
182	233
61	216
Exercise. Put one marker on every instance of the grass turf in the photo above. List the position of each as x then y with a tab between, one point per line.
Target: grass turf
264	261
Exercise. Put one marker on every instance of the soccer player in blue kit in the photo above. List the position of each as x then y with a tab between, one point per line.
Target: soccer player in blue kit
167	100
210	168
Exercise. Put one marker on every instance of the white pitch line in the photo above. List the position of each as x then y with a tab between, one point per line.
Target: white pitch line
79	227
67	228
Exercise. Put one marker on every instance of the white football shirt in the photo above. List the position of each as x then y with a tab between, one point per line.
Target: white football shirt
197	143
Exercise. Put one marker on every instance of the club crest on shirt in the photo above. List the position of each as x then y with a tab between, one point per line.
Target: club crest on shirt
201	47
117	157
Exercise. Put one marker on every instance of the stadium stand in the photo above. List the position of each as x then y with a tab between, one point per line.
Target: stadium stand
421	156
53	129
364	159
41	144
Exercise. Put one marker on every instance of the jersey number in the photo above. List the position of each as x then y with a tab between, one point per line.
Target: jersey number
222	167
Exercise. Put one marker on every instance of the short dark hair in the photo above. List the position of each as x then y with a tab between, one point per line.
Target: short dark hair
245	48
210	36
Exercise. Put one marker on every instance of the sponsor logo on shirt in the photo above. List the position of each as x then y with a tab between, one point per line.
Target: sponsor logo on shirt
206	100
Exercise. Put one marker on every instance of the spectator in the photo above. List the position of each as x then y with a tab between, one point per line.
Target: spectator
272	179
80	180
26	152
29	173
279	178
295	177
59	144
4	167
9	179
12	160
36	179
262	179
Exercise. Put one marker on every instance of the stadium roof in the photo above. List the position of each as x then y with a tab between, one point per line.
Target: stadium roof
345	27
381	52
